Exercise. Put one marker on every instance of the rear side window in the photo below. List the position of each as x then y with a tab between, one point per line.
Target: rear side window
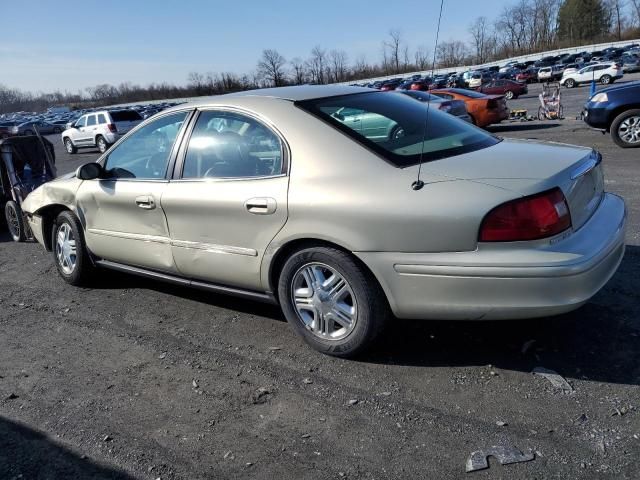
101	118
125	116
398	128
230	145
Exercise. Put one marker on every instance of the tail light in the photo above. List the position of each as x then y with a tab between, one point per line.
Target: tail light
531	218
112	127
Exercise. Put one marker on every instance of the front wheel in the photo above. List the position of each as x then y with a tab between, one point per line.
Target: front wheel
570	83
625	129
69	146
15	221
605	79
331	301
69	250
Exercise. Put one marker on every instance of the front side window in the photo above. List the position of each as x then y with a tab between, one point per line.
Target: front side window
402	131
145	153
231	145
82	121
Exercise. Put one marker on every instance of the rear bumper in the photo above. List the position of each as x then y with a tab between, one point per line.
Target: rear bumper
507	281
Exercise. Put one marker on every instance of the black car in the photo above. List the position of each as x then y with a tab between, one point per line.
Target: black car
617	111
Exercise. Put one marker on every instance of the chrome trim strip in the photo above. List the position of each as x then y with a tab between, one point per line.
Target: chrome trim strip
584	168
238	292
209	247
130	236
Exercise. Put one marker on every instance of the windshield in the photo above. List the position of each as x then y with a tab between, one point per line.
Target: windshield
398	128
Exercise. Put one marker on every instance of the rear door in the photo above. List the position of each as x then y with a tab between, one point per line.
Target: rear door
85	133
228	198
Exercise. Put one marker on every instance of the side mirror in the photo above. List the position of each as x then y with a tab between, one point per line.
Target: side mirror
89	171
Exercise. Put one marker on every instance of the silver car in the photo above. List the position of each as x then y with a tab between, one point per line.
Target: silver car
278	195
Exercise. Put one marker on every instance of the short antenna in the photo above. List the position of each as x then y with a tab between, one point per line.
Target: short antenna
418	184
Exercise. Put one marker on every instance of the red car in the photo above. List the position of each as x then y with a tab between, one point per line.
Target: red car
527	76
508	88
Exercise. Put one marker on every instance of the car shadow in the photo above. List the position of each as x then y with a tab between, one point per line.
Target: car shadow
520	127
27	453
111	279
599	341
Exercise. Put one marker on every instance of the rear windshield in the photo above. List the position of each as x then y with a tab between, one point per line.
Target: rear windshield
125	116
466	93
398	128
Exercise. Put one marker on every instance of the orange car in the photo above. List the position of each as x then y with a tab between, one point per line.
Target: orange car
483	109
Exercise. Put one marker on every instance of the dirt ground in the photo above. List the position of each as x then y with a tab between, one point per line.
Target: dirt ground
137	379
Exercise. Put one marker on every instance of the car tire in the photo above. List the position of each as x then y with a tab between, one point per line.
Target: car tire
570	83
396	133
57	130
69	250
15	221
605	79
70	147
339	321
102	144
625	129
509	95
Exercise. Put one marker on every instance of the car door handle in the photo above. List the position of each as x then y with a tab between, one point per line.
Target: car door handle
261	205
146	202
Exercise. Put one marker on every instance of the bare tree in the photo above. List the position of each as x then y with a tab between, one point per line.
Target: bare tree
271	67
422	58
451	54
479	30
317	64
299	71
338	65
392	48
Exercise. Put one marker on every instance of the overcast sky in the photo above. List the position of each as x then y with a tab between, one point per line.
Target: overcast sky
49	45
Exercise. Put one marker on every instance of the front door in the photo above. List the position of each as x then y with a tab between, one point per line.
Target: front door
122	213
228	200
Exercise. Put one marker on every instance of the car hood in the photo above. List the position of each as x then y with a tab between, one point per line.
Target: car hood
510	162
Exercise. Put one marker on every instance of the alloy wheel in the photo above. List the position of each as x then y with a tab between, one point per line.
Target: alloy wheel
66	249
324	301
629	130
69	146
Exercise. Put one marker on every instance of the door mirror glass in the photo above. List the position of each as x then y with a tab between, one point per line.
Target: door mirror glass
89	171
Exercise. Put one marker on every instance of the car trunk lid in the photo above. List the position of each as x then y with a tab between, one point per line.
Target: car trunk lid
527	167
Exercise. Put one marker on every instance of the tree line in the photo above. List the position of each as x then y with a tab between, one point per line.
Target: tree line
523	27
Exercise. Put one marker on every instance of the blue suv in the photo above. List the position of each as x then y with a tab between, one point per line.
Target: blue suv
617	110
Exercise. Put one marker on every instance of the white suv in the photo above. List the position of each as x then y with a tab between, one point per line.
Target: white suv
99	129
604	73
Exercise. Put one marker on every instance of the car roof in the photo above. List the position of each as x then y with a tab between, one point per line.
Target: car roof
294	94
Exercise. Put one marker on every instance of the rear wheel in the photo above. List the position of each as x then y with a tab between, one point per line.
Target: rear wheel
69	146
69	250
605	79
508	95
15	221
331	301
102	144
625	129
570	83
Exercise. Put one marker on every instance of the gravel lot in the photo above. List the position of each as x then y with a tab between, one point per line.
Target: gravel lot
138	379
